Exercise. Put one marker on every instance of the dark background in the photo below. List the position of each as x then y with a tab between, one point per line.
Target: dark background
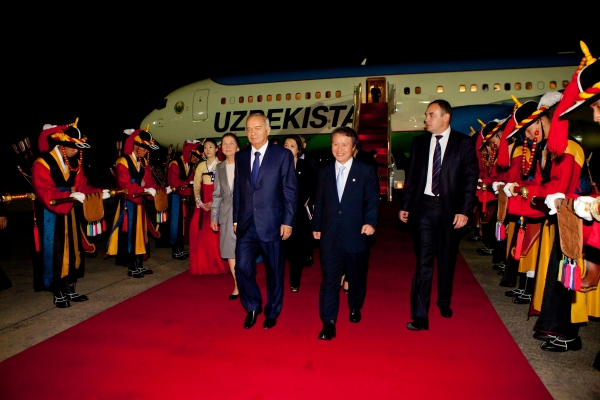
112	76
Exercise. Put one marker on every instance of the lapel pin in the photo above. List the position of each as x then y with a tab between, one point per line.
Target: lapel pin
353	179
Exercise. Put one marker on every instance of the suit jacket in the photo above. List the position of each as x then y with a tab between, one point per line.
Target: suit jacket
458	177
222	199
272	202
344	220
306	190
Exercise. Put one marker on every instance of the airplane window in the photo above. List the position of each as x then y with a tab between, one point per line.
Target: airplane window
565	83
259	98
298	96
496	87
462	88
418	90
241	99
278	97
328	94
485	87
338	94
518	86
288	96
250	99
552	84
307	95
223	100
406	90
269	97
440	89
540	85
232	100
317	95
507	86
473	88
528	86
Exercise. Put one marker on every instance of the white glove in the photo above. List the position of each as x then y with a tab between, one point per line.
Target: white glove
550	201
507	188
198	203
192	183
495	186
105	194
580	205
152	191
168	189
79	196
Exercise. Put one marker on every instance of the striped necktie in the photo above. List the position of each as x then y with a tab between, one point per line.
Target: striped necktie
437	167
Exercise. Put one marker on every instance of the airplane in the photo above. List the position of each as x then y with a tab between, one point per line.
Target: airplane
314	102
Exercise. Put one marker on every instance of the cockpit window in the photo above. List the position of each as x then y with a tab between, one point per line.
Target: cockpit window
162	104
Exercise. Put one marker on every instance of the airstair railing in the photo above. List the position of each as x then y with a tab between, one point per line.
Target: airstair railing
357	103
390	159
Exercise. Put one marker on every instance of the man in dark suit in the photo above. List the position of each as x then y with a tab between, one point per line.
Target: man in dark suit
439	192
264	206
346	209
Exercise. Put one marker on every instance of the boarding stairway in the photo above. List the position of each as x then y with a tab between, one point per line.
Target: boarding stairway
372	125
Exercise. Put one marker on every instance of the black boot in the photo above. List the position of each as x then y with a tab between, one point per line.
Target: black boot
182	251
61	300
134	270
560	344
73	295
139	262
525	297
177	253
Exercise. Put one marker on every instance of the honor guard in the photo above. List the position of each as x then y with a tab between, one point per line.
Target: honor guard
128	239
181	180
58	182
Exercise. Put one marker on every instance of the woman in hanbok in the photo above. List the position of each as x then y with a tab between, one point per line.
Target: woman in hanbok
205	256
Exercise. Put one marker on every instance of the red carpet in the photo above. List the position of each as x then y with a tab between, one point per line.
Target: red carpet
184	340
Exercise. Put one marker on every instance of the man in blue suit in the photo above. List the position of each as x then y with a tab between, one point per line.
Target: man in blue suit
439	194
346	210
265	192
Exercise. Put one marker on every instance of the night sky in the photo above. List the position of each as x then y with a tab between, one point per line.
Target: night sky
112	81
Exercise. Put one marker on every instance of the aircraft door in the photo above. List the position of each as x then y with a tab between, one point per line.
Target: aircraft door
200	106
376	90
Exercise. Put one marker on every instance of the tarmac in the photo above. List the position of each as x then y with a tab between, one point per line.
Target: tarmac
28	318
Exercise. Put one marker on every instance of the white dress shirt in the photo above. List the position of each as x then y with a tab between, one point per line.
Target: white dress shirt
348	165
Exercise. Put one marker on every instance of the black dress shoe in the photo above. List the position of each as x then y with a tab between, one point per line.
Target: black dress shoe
355	316
269	323
328	331
251	318
559	344
146	271
179	256
234	296
417	326
544	337
446	311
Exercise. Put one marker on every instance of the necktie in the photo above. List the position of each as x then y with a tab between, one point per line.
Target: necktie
340	182
437	166
255	167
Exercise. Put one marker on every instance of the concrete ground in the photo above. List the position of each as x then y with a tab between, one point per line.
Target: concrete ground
28	318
